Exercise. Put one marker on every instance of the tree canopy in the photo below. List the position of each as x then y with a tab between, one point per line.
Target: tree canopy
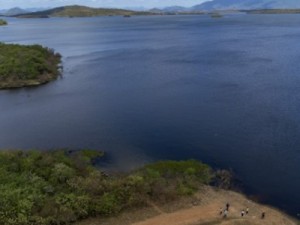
60	187
27	65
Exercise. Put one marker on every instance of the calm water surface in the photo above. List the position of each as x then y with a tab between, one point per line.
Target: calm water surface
226	91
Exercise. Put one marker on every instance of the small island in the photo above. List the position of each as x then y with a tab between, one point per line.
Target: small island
3	22
216	15
27	65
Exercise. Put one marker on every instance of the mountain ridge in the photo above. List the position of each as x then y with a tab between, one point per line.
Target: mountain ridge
268	6
247	5
80	11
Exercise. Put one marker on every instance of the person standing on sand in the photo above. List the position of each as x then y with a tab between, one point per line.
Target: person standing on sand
247	210
263	215
227	206
225	213
242	213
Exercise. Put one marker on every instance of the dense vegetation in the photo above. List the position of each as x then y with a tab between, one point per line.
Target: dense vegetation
80	11
2	22
274	11
59	187
27	65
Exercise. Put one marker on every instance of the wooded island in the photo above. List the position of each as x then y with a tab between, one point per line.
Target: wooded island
27	65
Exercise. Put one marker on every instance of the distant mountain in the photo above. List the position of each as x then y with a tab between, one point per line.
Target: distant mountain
79	11
175	9
247	4
17	11
169	10
136	8
14	11
156	10
36	9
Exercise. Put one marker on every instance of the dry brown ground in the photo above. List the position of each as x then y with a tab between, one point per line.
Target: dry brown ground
202	209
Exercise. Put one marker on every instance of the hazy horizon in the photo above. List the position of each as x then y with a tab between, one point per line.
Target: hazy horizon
4	4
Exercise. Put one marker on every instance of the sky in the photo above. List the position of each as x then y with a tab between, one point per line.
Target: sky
6	4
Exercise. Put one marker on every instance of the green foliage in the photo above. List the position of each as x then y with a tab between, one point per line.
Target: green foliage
166	180
188	169
60	187
21	65
2	22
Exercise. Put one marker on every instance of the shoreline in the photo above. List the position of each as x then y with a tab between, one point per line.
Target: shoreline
236	185
168	187
27	83
201	209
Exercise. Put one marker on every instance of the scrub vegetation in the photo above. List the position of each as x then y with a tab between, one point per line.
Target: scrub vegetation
2	22
60	187
27	65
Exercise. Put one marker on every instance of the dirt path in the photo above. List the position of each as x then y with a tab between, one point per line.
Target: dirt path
208	212
185	216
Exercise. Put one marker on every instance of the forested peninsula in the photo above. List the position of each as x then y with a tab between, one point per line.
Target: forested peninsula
27	65
63	186
69	187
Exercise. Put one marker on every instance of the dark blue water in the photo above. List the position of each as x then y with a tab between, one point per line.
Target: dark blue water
226	91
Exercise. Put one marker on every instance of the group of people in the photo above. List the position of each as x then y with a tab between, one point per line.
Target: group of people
243	212
224	211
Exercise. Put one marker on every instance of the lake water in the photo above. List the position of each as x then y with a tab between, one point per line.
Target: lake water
225	91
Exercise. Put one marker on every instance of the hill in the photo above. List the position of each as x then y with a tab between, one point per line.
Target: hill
175	9
274	11
17	11
80	11
14	11
247	4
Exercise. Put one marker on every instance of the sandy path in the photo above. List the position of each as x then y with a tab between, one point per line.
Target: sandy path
183	217
207	212
201	209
